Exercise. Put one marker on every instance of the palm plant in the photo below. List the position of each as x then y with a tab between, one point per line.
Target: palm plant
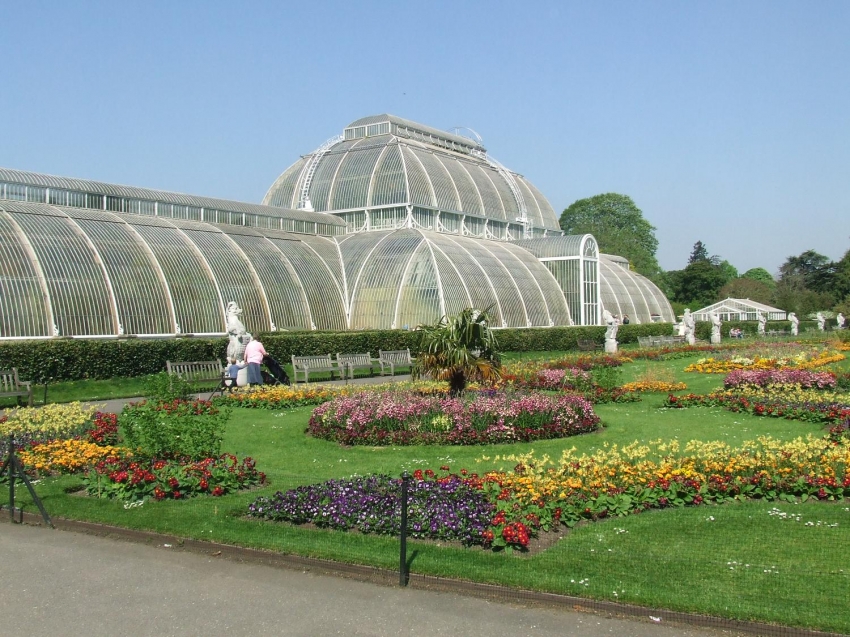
458	349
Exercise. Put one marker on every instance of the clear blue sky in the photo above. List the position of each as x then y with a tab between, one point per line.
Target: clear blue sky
726	122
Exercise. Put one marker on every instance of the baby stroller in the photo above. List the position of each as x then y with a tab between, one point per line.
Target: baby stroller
276	375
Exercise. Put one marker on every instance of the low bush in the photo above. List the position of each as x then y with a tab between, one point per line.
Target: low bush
176	429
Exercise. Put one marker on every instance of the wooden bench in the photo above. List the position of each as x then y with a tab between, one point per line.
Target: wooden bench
199	373
351	362
11	385
660	341
391	359
588	345
303	365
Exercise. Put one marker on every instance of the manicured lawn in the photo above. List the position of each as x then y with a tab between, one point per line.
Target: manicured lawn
743	560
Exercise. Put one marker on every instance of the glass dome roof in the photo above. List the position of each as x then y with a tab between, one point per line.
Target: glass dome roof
385	160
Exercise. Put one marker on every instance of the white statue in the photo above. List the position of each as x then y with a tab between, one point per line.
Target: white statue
795	323
690	327
610	332
762	318
821	321
236	332
840	321
715	328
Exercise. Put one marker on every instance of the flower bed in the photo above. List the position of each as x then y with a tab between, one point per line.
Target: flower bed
616	482
762	378
794	404
654	386
406	418
126	478
508	508
451	509
766	360
30	425
286	396
68	456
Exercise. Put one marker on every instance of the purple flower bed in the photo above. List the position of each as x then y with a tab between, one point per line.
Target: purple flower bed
405	418
763	378
448	509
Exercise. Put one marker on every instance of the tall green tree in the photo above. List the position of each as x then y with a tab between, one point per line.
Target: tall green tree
762	275
746	288
619	227
698	284
814	270
699	253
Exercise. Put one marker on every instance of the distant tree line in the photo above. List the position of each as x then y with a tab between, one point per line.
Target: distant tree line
807	283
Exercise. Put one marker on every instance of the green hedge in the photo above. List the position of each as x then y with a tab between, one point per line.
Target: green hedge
73	359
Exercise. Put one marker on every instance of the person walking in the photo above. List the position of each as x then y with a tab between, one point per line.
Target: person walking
254	352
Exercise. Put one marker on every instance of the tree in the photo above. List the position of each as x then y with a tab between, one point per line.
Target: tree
746	288
814	270
698	284
792	295
760	274
458	349
729	271
619	228
699	253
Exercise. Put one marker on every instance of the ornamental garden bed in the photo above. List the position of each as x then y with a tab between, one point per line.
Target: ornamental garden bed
708	558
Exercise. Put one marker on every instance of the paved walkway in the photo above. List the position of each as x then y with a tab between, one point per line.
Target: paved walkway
115	405
58	583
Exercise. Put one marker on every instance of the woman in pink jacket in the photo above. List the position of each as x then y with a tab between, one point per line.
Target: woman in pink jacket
254	353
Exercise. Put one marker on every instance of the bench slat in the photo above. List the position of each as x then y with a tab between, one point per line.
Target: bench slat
11	385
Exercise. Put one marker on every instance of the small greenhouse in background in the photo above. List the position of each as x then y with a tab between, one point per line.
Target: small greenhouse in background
740	310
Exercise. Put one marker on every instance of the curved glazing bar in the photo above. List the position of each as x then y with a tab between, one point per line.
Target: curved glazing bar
24	300
283	191
141	299
476	280
323	291
285	293
419	297
76	281
198	305
445	193
375	291
389	186
627	292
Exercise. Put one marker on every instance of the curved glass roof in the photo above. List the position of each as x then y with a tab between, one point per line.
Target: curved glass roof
385	160
72	272
624	292
75	272
406	277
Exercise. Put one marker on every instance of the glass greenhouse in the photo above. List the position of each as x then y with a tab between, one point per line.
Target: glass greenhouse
740	310
388	226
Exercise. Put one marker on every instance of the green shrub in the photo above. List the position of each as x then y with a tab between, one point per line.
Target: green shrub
164	387
178	429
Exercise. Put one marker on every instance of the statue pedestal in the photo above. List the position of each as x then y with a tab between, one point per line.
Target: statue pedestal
715	340
610	346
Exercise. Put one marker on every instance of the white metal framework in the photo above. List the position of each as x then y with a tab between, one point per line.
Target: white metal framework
740	310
